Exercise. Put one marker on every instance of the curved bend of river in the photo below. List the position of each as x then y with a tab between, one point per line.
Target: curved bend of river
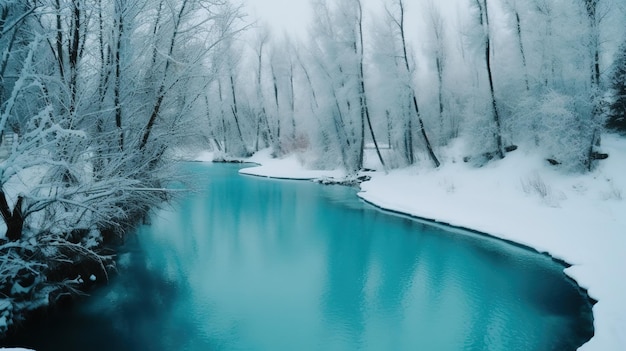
248	263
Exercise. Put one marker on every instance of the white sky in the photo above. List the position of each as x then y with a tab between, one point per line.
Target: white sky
291	16
294	16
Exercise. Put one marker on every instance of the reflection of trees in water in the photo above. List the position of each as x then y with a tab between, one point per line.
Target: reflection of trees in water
150	298
119	316
347	259
402	265
369	270
521	280
452	289
398	261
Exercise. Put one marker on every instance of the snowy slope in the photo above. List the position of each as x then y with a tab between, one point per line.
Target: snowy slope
580	219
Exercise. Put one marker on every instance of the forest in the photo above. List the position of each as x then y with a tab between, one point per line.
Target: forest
98	98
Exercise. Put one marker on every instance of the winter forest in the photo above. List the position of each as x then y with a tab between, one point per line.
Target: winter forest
97	98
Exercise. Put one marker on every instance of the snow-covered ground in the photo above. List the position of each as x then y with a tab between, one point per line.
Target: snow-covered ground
288	167
579	218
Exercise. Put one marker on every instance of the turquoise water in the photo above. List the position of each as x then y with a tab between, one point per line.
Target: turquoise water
247	263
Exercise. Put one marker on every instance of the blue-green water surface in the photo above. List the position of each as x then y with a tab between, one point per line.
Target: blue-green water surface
248	263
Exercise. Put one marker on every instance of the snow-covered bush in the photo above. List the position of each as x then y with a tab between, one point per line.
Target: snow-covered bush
479	134
557	125
63	182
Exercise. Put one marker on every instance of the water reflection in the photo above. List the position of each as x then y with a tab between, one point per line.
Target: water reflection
255	264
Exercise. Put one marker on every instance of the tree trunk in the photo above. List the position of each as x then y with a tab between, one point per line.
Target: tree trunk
342	136
74	55
438	27
484	21
236	116
223	114
59	39
277	146
13	220
292	104
408	139
211	131
363	97
429	147
439	65
405	58
116	90
262	118
153	115
162	91
521	49
591	6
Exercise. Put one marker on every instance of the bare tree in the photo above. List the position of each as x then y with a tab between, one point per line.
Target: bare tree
278	144
334	47
513	7
365	111
96	96
398	19
438	25
594	18
263	130
483	17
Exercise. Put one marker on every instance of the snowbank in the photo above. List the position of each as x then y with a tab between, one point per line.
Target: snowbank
285	168
580	219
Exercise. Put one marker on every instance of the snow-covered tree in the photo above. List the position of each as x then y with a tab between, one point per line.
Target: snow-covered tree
397	19
93	94
335	55
617	114
483	10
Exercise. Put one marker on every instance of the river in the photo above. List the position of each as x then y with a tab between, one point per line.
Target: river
248	263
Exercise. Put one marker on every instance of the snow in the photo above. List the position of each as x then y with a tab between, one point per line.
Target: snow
205	156
578	218
289	167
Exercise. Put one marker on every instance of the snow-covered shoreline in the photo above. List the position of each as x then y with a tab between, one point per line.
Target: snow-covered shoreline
576	218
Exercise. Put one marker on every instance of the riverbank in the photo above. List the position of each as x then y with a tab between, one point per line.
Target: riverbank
577	218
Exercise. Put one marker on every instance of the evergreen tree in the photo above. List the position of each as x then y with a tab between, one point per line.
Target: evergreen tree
617	114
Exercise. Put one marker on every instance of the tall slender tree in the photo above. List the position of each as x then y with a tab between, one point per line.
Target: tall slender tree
438	25
365	110
592	8
399	20
483	18
513	7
